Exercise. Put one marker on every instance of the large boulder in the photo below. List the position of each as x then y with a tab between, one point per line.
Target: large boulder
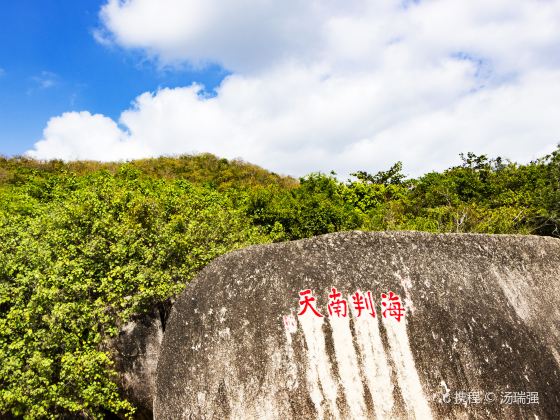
480	336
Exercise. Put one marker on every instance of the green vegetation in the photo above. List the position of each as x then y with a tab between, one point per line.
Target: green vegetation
85	245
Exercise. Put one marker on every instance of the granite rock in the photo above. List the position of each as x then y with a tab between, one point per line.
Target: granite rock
480	337
135	352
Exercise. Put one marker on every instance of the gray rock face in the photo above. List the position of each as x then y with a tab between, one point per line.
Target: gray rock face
480	337
135	352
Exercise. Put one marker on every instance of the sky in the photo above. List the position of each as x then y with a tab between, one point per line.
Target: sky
295	86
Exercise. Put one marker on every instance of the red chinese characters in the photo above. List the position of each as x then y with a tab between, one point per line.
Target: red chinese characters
392	305
361	302
307	302
337	305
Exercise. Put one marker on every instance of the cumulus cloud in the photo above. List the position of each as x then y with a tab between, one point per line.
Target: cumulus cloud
321	85
81	135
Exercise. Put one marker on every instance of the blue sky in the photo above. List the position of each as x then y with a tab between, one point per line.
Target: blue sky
311	85
52	64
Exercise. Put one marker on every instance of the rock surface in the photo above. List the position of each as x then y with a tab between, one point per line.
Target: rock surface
482	322
135	352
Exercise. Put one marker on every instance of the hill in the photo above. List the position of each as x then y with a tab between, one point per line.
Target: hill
85	246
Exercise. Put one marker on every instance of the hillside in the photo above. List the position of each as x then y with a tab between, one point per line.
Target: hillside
200	169
84	246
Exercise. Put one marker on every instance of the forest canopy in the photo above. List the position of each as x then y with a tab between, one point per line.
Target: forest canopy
84	246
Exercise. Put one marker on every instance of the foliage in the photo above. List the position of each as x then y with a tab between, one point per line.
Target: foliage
203	169
317	206
86	245
79	256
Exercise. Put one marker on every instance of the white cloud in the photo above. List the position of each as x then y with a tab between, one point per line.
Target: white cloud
42	81
247	35
318	85
75	135
46	79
